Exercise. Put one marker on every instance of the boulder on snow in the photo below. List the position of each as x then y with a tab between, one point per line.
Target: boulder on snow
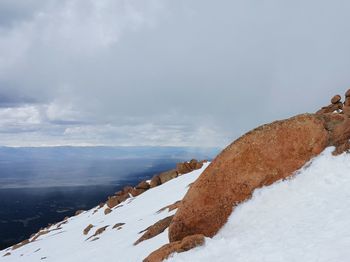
155	229
175	247
21	244
78	212
87	229
98	232
186	167
168	175
260	157
155	181
115	200
107	211
143	185
137	191
118	225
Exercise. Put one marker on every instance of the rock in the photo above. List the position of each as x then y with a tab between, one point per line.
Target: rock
135	192
21	244
346	110
87	229
107	211
40	233
186	167
78	212
330	109
143	185
155	229
183	168
338	127
101	205
115	200
335	99
260	157
155	181
170	207
7	254
165	251
98	232
347	101
126	190
118	225
168	175
112	201
347	94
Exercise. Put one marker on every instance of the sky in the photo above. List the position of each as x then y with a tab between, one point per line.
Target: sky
164	72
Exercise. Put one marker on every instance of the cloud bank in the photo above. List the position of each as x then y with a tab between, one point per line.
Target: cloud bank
199	73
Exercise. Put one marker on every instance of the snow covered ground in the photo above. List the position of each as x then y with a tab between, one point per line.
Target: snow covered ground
306	218
69	244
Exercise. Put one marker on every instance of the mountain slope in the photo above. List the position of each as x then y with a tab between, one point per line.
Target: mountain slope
68	243
305	218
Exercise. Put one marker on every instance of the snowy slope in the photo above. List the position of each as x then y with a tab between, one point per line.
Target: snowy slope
306	218
69	244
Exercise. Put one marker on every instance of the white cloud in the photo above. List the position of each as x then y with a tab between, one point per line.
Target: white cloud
166	72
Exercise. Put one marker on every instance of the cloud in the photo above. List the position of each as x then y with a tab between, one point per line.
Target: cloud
166	72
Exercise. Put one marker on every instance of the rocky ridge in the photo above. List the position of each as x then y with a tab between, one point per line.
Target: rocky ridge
259	158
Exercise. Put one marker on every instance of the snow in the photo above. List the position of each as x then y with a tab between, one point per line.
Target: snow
70	245
306	218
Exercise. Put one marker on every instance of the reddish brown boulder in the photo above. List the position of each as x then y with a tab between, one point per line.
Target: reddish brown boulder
137	191
155	229
155	181
261	157
87	229
175	247
143	185
21	244
115	200
126	190
107	211
98	232
168	175
186	167
183	168
118	225
78	212
112	201
335	99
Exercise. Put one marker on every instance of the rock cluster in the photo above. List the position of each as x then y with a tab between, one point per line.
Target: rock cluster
261	157
337	106
127	192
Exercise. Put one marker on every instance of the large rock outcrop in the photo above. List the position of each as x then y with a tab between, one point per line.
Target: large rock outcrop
261	157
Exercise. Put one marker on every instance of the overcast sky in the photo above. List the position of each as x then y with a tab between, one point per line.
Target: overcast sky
149	72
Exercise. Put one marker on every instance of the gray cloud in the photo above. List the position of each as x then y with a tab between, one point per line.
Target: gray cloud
169	72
